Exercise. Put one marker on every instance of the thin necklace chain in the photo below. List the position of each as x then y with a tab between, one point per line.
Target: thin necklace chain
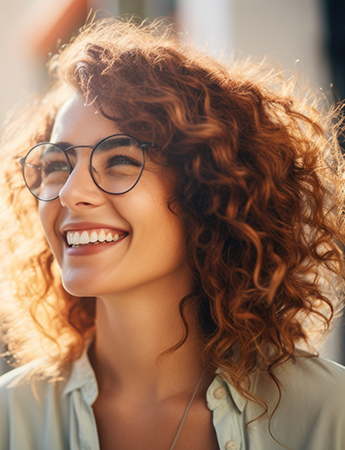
187	409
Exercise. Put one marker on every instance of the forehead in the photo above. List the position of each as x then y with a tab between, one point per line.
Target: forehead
81	124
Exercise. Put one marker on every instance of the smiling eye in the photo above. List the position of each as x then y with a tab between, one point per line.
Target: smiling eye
55	166
117	162
118	159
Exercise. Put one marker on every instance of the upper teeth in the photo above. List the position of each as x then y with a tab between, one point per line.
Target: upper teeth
77	238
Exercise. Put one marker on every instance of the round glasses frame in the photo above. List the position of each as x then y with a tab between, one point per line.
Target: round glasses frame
142	145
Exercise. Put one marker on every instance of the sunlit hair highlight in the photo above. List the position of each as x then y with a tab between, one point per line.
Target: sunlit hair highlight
259	190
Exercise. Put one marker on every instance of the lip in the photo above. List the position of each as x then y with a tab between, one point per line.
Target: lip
84	250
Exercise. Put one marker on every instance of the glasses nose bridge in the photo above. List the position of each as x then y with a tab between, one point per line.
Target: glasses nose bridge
72	147
73	166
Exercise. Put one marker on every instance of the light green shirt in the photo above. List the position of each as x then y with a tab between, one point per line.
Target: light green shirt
311	415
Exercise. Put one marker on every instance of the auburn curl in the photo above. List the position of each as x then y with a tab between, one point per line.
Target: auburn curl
259	190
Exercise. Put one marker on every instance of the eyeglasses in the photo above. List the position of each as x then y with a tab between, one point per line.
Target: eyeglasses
116	165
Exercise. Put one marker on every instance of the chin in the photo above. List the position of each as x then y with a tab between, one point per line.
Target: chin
79	288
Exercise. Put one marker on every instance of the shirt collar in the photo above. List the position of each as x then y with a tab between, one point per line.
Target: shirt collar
240	402
82	377
218	392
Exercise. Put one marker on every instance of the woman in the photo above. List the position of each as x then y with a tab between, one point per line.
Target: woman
194	211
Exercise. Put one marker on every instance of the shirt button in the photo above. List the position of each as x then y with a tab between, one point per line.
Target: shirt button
219	393
231	445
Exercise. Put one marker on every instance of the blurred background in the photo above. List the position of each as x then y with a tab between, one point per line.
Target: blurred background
306	34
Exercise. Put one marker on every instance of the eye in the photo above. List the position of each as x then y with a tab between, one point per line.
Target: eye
119	159
55	166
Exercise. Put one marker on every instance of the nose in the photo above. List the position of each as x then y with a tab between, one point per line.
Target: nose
80	191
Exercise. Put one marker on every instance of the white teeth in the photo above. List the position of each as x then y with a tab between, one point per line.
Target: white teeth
84	238
76	238
101	236
93	237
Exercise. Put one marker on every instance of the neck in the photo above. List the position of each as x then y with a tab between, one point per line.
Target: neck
132	330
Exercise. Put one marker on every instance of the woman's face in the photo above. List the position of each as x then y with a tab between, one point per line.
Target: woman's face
151	239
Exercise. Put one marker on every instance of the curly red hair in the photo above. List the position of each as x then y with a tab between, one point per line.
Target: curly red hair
259	189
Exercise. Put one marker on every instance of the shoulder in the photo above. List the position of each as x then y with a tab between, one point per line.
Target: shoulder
314	378
25	403
15	381
310	377
311	403
23	384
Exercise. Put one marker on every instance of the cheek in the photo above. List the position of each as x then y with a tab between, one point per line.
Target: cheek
162	239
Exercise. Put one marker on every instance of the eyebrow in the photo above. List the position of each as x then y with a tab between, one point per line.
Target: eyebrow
51	148
115	142
63	145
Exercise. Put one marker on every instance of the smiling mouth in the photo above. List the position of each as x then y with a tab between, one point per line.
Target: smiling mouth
79	238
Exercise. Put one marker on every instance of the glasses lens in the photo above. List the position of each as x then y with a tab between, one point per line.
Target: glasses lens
46	170
117	163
